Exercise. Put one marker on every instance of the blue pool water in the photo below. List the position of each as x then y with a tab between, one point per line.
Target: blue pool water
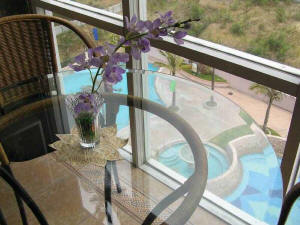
217	162
252	195
74	83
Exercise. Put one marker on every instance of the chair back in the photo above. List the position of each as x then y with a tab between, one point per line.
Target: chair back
27	56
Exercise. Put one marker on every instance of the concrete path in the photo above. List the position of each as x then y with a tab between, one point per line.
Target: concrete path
279	118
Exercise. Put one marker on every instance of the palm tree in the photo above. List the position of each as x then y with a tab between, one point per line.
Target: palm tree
271	94
174	64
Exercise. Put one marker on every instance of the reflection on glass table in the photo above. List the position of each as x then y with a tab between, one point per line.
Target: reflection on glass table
243	171
139	204
238	151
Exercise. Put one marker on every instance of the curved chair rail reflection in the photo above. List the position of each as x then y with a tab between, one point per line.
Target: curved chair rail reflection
14	184
288	203
195	185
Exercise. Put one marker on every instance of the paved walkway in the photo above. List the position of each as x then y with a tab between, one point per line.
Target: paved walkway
279	118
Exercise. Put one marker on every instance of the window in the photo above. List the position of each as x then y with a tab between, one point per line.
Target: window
264	28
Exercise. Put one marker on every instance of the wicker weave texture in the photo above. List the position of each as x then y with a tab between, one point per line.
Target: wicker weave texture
25	51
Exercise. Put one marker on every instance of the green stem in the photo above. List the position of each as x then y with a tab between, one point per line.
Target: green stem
99	85
129	39
90	73
95	78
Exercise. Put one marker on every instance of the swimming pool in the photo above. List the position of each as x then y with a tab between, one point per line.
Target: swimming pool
252	195
75	81
170	157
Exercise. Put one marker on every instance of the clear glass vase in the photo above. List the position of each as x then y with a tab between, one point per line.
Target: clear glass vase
85	108
88	129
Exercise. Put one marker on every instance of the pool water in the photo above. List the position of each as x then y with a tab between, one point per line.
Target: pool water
217	162
260	190
75	81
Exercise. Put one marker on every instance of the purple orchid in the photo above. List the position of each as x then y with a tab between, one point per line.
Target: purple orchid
167	18
115	75
82	107
137	35
87	103
142	45
134	25
86	60
178	37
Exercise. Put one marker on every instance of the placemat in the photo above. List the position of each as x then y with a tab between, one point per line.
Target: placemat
69	149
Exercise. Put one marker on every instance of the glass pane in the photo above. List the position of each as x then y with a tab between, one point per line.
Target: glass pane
70	45
114	6
229	121
264	28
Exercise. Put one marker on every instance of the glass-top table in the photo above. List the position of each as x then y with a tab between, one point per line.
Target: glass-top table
243	170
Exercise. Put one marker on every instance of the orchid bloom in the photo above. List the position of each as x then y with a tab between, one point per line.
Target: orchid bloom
137	35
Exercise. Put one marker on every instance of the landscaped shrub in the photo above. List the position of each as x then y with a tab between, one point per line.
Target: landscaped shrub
196	11
235	5
280	15
198	28
258	47
277	43
237	28
274	45
296	16
261	27
224	16
262	2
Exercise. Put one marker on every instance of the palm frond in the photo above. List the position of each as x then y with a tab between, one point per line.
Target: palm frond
161	64
174	62
266	91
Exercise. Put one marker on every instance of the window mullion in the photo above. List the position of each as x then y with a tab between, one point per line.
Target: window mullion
292	143
134	83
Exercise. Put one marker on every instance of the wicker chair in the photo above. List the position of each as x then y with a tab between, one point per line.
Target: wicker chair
27	55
